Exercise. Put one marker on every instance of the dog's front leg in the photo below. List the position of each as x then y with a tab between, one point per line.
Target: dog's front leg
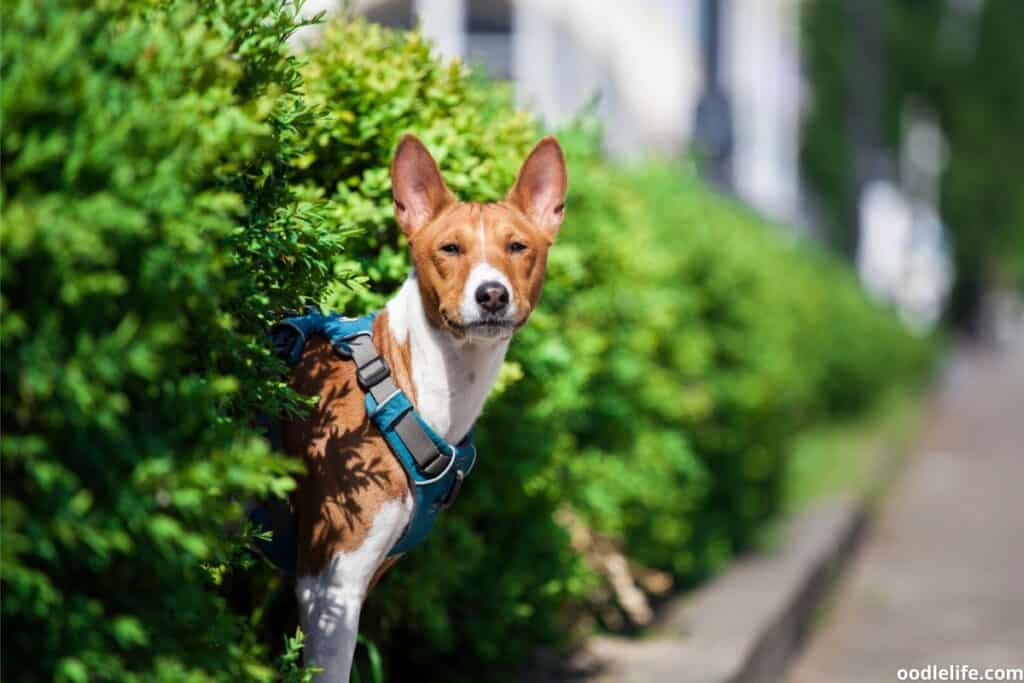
330	602
329	613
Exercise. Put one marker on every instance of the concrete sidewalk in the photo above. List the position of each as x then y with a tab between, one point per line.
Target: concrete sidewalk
940	578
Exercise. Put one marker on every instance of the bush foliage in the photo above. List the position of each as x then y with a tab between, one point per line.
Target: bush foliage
174	179
149	229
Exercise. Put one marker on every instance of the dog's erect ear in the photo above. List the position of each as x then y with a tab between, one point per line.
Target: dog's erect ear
417	186
540	188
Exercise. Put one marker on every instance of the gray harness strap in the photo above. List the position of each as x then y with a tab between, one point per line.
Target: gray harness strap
375	377
436	468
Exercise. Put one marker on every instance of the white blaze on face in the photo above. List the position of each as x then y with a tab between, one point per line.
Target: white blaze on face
484	272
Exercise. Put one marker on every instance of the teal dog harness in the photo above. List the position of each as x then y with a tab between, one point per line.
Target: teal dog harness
436	468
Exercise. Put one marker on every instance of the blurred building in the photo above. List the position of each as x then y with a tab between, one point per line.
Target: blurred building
722	77
641	66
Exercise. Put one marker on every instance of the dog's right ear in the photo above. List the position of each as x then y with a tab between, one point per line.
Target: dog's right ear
417	186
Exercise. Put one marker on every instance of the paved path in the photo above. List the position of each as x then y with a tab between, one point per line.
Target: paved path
940	579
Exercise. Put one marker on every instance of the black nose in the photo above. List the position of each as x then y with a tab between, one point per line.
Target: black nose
492	296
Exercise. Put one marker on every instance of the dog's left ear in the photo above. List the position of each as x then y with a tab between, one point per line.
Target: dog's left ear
540	188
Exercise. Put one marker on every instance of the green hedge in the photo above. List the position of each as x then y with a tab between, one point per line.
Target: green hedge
149	232
174	180
723	338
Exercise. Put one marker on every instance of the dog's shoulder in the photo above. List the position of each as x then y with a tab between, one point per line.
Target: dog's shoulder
350	470
322	372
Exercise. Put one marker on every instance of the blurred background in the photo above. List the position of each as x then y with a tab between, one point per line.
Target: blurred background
870	126
790	276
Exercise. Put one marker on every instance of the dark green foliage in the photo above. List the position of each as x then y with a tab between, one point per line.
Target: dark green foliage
972	76
826	157
966	68
148	229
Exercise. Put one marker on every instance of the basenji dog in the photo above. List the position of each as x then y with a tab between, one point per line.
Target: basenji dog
478	270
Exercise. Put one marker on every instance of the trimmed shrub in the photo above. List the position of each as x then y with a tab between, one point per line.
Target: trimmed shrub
724	339
148	231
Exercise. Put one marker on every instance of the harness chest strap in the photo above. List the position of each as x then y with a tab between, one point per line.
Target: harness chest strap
436	469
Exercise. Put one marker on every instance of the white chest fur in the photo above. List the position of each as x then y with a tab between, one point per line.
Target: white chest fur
452	378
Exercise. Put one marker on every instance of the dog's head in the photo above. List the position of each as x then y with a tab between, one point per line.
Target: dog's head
480	267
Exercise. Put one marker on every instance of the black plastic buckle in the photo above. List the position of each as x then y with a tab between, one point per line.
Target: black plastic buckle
438	464
453	492
372	373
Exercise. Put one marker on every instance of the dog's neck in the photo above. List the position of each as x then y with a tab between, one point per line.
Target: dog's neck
451	378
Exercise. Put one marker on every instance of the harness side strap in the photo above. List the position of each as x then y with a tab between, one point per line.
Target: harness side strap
375	377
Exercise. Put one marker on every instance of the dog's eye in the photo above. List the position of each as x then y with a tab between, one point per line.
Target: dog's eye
450	248
516	247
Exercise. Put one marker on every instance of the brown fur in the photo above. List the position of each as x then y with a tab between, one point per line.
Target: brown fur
350	470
